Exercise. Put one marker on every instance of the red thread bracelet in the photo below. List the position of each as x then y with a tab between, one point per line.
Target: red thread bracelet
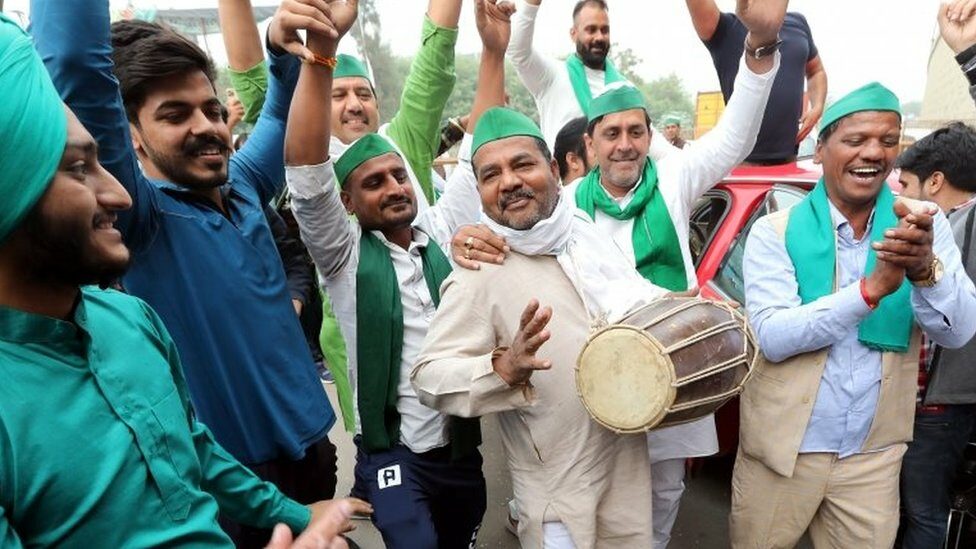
864	295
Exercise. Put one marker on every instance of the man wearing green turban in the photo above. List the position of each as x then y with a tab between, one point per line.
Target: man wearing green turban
100	444
643	206
672	132
420	468
838	288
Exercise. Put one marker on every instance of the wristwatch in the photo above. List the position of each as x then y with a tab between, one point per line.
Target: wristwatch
763	51
936	270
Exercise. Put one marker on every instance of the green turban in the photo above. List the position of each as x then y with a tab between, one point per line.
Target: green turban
870	97
33	126
347	65
501	123
617	97
365	148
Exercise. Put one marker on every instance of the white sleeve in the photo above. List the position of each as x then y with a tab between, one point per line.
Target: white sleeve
459	205
325	228
731	140
536	71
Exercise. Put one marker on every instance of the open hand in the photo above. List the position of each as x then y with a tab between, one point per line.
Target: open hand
517	363
494	21
957	24
329	520
476	244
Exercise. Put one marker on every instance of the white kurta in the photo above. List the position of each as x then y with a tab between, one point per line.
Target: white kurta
683	176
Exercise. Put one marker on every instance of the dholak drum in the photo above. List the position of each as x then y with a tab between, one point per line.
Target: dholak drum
672	361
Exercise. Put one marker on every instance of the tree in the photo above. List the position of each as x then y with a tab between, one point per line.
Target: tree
627	62
667	96
389	72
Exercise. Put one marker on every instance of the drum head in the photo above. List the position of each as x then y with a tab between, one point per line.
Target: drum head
625	380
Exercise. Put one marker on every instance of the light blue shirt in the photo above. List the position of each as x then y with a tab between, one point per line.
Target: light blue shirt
851	382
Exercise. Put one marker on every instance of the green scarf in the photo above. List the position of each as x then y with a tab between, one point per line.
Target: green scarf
379	345
658	257
811	241
581	87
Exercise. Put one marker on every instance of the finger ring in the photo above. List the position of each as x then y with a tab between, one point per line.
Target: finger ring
467	254
469	242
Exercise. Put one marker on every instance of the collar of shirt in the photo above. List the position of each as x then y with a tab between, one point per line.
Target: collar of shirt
417	240
966	204
624	200
843	227
21	327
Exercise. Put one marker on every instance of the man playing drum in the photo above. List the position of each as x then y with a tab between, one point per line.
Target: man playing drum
643	205
576	483
838	288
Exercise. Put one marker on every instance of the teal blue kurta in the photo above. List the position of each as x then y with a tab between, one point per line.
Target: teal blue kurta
98	444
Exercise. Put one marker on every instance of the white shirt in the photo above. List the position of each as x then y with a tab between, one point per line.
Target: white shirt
332	239
683	176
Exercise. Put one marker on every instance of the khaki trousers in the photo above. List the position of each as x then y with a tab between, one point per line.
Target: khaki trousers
845	503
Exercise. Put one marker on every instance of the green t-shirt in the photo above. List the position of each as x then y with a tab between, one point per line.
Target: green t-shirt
98	443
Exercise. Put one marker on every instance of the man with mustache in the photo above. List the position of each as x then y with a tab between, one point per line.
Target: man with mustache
563	89
576	484
838	288
203	256
791	113
643	206
99	443
420	469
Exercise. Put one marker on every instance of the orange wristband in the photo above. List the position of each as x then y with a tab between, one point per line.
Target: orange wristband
329	62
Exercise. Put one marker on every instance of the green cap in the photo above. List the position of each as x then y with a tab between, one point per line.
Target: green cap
347	65
870	97
365	148
671	119
500	123
617	97
33	124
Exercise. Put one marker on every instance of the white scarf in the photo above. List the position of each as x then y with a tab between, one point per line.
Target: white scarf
606	281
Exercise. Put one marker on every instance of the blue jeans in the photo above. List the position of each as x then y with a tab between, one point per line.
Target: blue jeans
927	473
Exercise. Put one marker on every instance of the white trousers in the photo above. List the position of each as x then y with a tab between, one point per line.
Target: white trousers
667	485
555	535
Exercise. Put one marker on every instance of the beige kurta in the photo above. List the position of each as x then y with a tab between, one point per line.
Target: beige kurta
565	467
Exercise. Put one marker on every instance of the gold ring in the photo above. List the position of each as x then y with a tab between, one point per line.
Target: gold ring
467	254
469	242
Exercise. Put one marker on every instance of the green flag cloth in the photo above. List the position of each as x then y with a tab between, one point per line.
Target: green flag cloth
655	240
870	97
33	124
811	242
334	351
581	87
365	148
500	123
379	345
619	97
347	65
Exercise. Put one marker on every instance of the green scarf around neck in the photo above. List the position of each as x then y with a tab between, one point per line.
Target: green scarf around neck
811	242
379	345
581	87
656	248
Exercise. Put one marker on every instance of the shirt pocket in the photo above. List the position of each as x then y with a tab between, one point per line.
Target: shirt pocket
166	425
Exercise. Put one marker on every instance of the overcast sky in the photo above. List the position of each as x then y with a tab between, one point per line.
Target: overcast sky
859	40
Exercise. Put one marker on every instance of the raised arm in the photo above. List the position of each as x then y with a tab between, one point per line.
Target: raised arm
74	41
535	70
461	202
416	126
705	16
324	226
957	25
734	137
245	55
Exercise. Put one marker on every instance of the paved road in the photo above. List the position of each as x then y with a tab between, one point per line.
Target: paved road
702	520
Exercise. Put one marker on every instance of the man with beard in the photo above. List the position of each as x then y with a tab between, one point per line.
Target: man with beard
576	484
204	257
643	206
420	469
99	443
563	89
838	288
724	35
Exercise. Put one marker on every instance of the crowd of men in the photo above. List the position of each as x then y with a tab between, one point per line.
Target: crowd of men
159	327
